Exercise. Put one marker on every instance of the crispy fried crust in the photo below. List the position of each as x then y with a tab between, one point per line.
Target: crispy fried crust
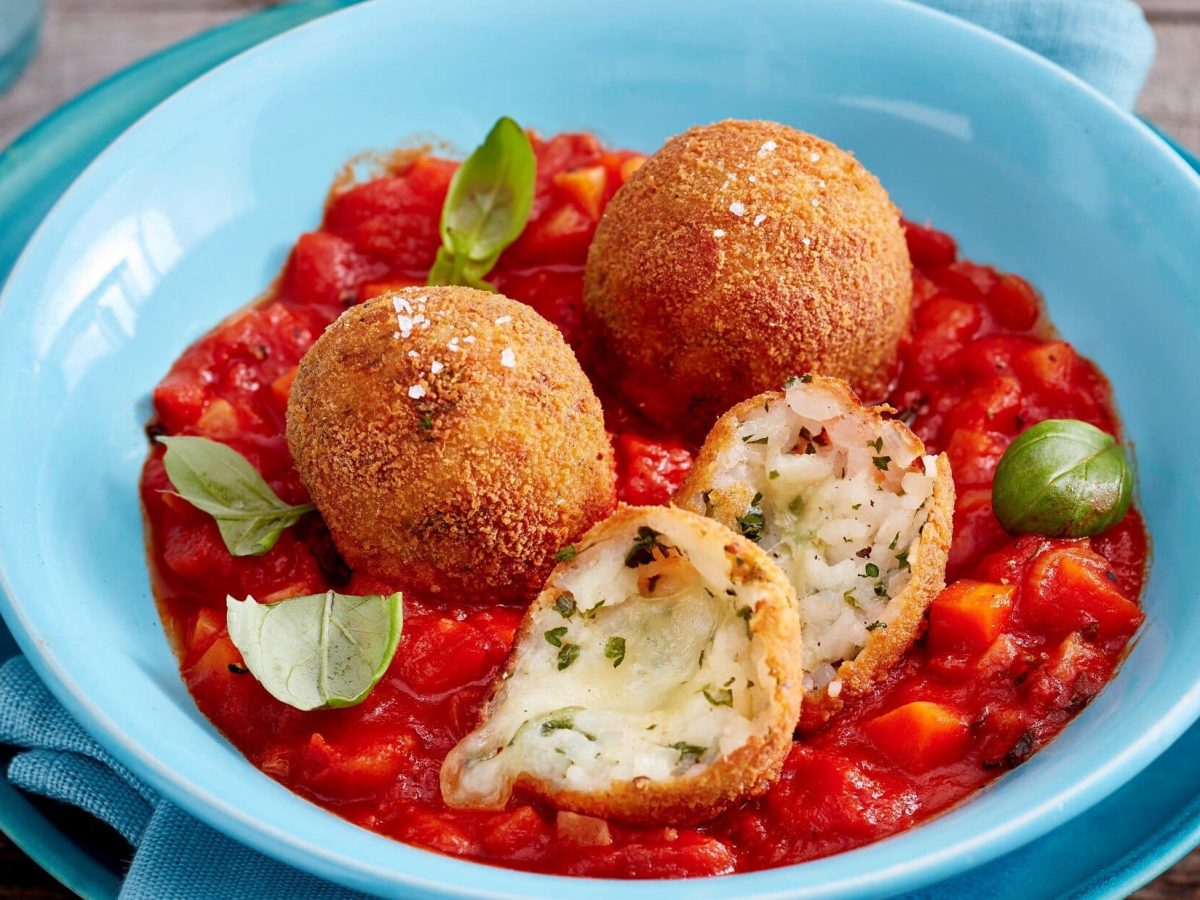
696	307
885	646
472	485
747	771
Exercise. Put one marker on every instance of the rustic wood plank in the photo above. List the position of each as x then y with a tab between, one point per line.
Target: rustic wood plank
85	40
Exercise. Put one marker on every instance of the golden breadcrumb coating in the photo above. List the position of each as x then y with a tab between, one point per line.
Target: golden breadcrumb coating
738	254
450	440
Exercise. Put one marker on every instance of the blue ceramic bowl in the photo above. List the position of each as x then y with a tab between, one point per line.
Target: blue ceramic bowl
191	213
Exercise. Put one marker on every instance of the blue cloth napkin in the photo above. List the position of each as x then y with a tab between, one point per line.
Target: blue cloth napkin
1105	42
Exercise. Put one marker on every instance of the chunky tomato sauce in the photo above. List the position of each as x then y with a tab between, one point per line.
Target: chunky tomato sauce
1028	632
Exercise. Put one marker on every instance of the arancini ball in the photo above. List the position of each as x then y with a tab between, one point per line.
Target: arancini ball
450	440
739	254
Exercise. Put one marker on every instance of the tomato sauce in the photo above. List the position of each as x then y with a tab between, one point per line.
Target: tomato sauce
1028	632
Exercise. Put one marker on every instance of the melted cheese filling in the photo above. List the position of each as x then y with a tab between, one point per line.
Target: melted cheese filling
631	671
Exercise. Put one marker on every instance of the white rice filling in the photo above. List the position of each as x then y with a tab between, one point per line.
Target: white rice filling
843	503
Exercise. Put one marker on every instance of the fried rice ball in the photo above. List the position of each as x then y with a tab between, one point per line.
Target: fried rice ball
853	510
656	679
739	254
450	440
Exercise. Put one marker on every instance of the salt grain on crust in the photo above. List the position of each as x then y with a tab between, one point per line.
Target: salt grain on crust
718	232
507	358
504	320
759	219
737	208
766	148
435	367
416	392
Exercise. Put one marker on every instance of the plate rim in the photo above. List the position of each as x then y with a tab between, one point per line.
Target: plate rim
208	809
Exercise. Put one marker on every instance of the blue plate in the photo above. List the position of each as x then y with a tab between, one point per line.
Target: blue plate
191	212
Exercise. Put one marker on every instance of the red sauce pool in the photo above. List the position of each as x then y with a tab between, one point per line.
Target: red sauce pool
979	365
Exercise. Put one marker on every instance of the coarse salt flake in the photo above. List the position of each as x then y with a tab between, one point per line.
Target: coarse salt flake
406	325
815	202
416	392
805	242
469	339
413	354
737	208
814	156
767	147
759	219
435	367
752	179
504	320
401	305
508	359
718	232
395	335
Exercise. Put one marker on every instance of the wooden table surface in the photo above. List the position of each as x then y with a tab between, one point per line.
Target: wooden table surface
84	40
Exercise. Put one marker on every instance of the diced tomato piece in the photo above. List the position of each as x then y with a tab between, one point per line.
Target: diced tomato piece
967	280
517	834
354	772
1072	675
417	825
942	325
327	269
1004	737
994	404
1072	589
969	615
1124	546
631	165
1008	564
213	669
179	400
650	471
928	247
562	235
281	387
582	831
556	295
443	653
219	420
585	186
373	289
1049	366
208	624
974	455
976	530
920	735
395	218
1014	303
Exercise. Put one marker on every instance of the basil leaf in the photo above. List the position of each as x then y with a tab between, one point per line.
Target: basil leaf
319	651
221	482
486	207
1062	478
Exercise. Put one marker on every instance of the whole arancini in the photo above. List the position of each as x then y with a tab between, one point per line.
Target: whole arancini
739	254
450	440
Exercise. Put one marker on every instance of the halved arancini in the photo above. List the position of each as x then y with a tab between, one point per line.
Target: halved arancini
851	508
655	679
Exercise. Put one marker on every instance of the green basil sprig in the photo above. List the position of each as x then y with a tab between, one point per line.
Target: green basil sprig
321	651
221	482
1062	478
486	206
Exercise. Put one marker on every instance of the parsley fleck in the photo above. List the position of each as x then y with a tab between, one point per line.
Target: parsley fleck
872	571
880	590
426	423
614	649
877	444
744	614
857	506
688	753
643	545
751	439
797	505
567	655
566	554
773	474
555	635
806	379
892	545
881	462
876	625
718	696
590	613
850	600
564	721
902	559
752	521
790	380
810	449
564	604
